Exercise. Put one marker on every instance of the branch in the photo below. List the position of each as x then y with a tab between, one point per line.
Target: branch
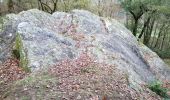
133	14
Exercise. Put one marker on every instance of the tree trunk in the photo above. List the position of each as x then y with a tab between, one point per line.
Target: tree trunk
146	36
135	27
151	30
159	35
144	27
127	19
154	33
10	5
164	36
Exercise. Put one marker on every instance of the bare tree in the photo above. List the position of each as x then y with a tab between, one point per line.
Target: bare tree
45	7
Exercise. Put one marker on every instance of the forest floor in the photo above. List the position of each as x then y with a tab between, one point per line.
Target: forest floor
10	72
76	79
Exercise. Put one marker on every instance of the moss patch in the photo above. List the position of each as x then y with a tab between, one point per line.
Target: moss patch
20	54
40	86
35	79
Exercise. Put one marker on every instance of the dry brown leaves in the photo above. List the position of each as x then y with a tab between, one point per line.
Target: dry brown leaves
85	78
10	71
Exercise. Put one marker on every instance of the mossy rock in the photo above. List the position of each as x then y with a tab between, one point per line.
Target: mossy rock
20	54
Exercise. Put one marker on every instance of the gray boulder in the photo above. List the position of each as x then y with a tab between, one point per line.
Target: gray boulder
48	39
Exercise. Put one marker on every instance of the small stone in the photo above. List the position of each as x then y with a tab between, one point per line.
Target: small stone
25	89
48	86
78	97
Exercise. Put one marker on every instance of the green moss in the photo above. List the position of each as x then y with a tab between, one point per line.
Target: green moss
34	79
156	87
3	22
37	85
25	98
20	54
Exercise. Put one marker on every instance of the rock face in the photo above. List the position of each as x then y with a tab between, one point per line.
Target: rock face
48	39
6	41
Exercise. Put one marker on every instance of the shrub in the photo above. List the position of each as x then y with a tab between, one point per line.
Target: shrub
156	87
163	54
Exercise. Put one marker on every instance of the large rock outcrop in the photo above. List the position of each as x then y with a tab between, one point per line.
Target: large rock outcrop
49	39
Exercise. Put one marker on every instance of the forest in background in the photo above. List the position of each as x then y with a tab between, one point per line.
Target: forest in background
149	20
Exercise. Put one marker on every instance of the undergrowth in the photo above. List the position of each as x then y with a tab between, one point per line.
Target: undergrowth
156	87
